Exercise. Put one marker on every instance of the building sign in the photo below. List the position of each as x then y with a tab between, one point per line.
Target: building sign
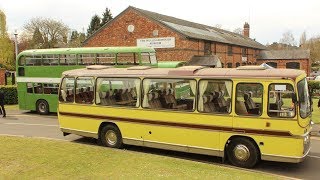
165	42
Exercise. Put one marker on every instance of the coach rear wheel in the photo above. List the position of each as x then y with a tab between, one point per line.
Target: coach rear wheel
42	107
243	153
110	136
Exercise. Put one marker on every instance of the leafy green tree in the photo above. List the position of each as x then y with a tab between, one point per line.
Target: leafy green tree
7	59
37	39
94	25
106	17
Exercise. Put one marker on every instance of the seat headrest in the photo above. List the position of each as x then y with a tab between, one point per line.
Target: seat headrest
246	96
205	99
250	93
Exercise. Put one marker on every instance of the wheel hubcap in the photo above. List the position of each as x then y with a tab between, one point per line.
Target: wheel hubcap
111	137
241	152
42	107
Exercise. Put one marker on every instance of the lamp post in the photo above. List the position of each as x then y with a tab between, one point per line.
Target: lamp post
16	42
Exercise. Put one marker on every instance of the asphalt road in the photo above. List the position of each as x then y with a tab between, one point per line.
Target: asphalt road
33	125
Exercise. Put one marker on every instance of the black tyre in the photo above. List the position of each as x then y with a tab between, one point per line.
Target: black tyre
243	153
110	136
42	107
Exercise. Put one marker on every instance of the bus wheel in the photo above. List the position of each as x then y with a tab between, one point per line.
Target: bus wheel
110	136
42	107
243	153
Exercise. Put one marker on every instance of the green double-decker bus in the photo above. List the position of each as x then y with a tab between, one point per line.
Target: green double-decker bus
39	70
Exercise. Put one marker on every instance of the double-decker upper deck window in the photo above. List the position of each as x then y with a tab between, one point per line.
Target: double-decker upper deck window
173	94
33	60
86	59
22	61
145	58
153	58
280	100
127	58
249	99
67	90
50	59
215	96
68	59
106	59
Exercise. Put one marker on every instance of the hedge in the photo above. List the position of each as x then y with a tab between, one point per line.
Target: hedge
10	94
314	87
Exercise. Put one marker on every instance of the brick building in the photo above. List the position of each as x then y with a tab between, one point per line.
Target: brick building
179	40
290	59
176	39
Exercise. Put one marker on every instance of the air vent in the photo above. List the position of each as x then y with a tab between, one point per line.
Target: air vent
97	67
185	70
251	68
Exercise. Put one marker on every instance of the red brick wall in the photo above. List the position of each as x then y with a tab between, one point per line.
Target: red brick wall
2	76
304	63
116	34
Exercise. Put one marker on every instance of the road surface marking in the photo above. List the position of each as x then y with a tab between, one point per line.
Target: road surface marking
26	124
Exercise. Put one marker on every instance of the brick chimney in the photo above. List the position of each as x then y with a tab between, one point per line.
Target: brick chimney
246	30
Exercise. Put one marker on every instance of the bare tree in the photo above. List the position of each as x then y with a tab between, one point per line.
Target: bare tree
288	39
238	31
53	32
303	38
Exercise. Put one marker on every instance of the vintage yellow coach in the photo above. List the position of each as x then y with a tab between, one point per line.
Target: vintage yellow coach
245	114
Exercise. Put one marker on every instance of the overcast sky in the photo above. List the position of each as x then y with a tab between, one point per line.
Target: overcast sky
268	19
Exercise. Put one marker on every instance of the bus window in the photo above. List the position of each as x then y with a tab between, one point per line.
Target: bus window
153	58
50	88
106	59
67	90
249	99
37	88
34	60
84	93
280	101
22	61
118	92
126	58
29	88
215	96
86	59
50	59
174	94
68	59
145	58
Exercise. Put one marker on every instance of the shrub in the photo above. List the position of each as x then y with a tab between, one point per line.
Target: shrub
314	86
10	94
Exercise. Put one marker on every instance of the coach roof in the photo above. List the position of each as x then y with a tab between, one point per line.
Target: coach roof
187	71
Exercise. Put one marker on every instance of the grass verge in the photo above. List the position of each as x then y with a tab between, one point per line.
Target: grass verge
29	158
316	112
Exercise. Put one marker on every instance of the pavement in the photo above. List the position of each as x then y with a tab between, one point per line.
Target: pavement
315	130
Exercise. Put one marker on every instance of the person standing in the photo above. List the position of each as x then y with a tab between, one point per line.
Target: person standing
2	103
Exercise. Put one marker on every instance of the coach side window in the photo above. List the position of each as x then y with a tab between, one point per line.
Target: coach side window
249	99
118	92
84	93
280	102
215	96
67	90
173	94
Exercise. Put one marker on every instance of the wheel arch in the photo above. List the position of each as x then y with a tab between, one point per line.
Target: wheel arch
231	138
38	100
106	123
